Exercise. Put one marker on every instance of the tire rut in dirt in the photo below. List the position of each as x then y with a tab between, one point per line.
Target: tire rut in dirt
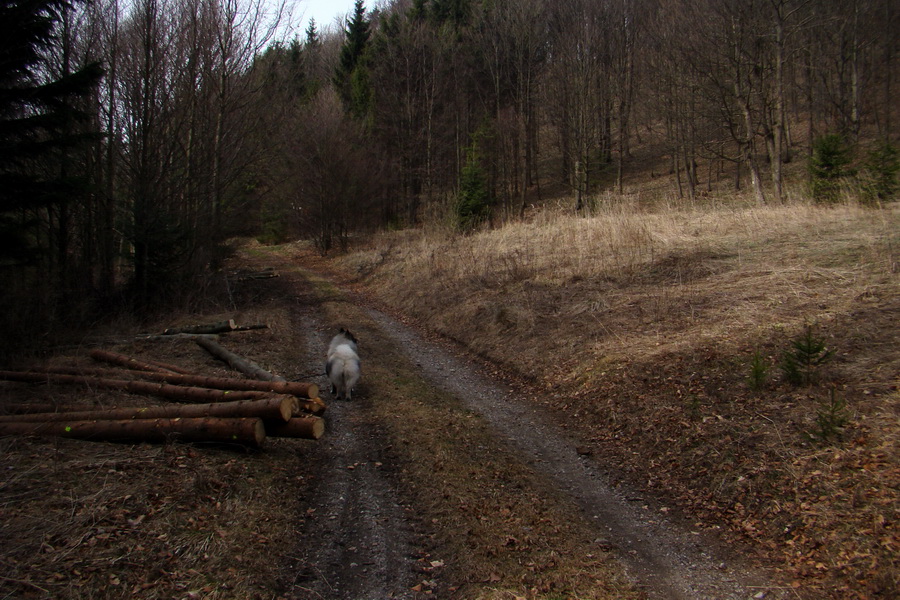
357	540
664	559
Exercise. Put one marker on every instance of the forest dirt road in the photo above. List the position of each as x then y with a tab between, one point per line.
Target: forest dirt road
368	533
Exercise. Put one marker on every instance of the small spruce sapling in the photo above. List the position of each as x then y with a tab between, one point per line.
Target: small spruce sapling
759	372
806	353
831	419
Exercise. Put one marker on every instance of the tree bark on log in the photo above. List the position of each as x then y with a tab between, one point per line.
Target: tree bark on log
272	409
307	428
221	327
134	364
21	408
298	389
174	392
250	432
236	362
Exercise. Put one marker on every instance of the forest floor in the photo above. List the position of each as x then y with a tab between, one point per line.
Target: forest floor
447	476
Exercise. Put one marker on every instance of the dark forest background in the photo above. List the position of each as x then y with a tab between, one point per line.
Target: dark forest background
138	137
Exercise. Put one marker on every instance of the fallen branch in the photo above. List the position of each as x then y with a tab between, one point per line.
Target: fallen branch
236	362
307	428
174	392
134	364
251	327
250	432
220	327
273	409
266	273
151	337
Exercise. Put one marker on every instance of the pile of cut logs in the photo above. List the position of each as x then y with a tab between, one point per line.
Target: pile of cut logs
210	409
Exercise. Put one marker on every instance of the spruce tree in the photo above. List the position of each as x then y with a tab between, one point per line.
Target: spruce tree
880	173
351	79
829	165
473	204
40	123
455	12
312	43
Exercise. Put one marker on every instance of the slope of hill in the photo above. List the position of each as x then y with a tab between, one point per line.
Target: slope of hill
662	333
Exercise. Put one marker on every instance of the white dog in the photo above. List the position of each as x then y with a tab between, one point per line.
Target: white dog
342	367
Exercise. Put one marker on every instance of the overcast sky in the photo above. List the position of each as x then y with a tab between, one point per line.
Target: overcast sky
324	11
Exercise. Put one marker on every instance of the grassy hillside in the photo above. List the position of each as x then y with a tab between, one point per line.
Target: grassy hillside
659	333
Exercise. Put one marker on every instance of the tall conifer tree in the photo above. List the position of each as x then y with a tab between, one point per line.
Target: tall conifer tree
351	78
40	122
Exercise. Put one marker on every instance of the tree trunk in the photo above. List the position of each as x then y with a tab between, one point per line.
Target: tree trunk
300	390
236	362
135	364
273	408
29	408
173	392
250	432
307	428
777	154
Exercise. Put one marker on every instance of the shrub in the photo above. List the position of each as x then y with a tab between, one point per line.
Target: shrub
759	372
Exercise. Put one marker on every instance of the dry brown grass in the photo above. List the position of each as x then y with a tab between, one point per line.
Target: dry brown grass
657	277
641	322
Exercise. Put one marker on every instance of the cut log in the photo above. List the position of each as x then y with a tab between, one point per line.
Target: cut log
21	408
313	406
135	364
273	409
221	327
307	428
173	392
298	389
250	432
236	362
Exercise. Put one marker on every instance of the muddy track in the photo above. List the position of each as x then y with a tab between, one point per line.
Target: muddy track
667	561
360	538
